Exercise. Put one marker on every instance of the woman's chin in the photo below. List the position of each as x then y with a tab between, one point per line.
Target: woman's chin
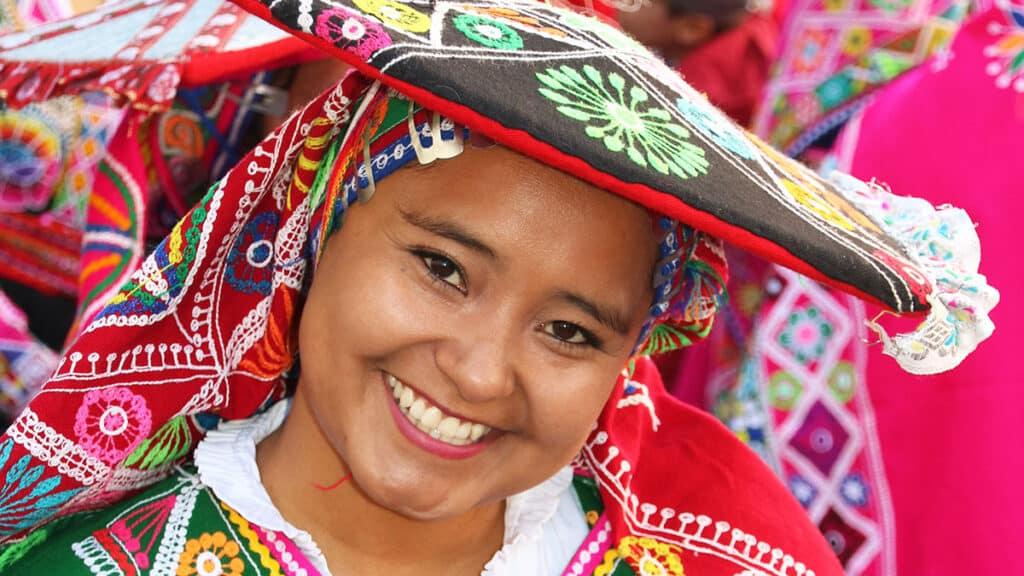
413	498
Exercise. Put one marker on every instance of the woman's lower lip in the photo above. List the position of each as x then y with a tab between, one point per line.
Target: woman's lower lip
424	441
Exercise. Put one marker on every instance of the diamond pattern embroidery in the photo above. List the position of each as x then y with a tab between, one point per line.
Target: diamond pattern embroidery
821	438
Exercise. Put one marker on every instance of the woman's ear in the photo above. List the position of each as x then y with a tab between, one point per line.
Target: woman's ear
691	30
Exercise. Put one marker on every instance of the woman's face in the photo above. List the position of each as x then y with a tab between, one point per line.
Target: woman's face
466	326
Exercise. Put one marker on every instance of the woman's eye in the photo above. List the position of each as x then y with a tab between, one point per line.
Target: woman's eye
444	269
568	332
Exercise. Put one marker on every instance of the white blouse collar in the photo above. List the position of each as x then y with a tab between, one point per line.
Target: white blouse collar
226	460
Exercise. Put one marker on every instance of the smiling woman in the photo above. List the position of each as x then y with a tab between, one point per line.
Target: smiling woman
393	343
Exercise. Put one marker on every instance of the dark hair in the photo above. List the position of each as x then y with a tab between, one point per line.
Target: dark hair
722	11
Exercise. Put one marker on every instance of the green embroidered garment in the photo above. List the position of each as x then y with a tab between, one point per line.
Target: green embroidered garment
179	526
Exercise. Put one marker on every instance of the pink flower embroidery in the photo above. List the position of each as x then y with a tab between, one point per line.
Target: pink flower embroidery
354	33
111	423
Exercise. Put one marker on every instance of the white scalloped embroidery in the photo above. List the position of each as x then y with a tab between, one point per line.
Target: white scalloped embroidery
944	247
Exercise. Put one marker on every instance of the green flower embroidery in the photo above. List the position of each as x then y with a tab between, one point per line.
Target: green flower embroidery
487	32
621	117
784	390
843	381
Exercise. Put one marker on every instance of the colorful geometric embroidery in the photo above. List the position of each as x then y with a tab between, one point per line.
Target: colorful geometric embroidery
836	52
249	266
803	368
31	159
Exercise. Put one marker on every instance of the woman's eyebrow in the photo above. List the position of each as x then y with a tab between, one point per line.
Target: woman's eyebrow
609	317
450	230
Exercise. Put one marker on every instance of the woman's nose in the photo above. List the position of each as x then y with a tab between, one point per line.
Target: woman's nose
478	362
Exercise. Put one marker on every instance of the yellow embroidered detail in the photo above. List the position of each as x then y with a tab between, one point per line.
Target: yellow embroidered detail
174	253
210	554
592	517
253	540
817	204
608	564
649	557
396	14
810	192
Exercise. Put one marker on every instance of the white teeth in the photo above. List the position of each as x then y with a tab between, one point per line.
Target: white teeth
406	399
448	427
463	432
431	420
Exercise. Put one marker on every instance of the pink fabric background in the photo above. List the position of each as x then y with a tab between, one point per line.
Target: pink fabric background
951	442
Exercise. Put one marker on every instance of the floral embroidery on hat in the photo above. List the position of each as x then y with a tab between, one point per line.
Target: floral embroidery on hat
396	14
488	32
623	119
352	32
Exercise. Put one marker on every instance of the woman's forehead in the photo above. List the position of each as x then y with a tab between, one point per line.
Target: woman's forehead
499	183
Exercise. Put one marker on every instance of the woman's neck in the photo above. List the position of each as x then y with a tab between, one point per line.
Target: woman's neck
355	534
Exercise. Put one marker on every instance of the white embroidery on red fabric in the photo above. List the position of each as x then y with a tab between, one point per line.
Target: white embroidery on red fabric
689	531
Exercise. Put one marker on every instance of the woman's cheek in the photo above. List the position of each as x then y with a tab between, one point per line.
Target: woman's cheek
564	406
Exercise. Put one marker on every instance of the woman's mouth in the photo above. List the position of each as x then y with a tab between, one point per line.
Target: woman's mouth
431	419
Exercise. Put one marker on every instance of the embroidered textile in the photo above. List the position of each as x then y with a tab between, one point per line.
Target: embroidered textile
785	371
958	424
147	438
794	384
836	52
203	327
140	52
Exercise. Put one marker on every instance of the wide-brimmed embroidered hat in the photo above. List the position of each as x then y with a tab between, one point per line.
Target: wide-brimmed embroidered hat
578	94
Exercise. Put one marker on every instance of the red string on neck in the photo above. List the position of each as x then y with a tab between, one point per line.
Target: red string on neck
344	479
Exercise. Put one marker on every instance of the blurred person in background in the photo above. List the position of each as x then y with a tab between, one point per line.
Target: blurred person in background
724	48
